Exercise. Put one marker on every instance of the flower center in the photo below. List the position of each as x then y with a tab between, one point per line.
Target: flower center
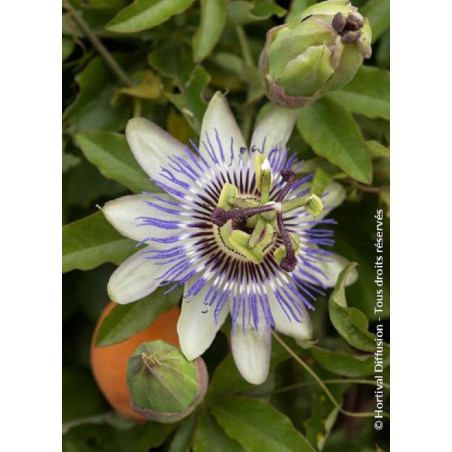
249	226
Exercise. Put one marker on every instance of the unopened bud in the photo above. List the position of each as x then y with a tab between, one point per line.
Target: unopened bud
165	387
318	51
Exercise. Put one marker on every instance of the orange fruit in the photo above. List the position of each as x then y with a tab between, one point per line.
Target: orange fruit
109	364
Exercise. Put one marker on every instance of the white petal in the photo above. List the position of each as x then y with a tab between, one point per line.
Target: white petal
134	279
332	269
298	330
196	329
274	129
124	213
219	118
251	351
334	197
151	145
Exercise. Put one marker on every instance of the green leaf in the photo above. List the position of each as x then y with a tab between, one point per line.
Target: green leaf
267	8
69	160
191	103
83	186
110	4
173	60
311	165
153	436
367	93
128	319
245	12
350	323
213	20
92	438
147	86
92	241
376	149
320	180
383	52
209	436
68	46
92	108
356	240
323	418
227	379
257	426
107	418
333	133
144	14
183	439
377	11
347	365
110	152
81	395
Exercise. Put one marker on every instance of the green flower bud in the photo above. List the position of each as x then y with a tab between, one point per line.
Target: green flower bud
165	387
318	51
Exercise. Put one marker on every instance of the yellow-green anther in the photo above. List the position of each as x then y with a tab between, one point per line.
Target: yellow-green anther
280	253
314	206
312	203
257	232
251	222
271	214
241	202
239	241
228	191
295	203
266	237
263	176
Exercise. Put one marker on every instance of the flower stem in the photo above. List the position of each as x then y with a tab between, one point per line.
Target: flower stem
244	47
97	44
322	384
136	107
333	381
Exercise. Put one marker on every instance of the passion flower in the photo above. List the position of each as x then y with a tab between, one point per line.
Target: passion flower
237	227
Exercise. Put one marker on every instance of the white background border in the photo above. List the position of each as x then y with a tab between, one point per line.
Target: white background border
30	226
30	184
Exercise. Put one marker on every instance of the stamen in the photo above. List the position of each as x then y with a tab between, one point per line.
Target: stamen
257	232
312	203
290	261
263	176
239	202
220	216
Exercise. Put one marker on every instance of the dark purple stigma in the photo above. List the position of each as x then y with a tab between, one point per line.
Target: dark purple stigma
290	178
290	261
220	216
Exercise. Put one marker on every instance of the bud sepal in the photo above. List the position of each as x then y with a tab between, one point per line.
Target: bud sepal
164	386
318	51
